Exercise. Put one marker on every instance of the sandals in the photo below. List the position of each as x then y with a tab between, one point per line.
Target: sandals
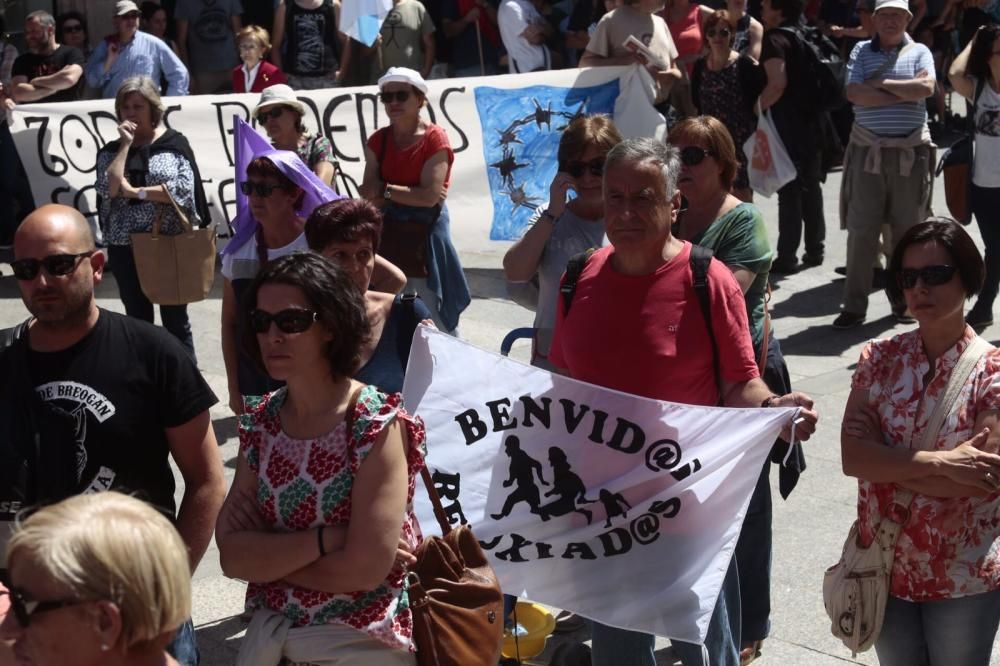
750	651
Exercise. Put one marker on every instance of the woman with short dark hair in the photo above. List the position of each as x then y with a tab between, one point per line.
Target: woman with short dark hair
944	596
975	75
319	519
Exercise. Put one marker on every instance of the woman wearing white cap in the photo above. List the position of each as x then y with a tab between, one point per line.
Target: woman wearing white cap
407	171
280	113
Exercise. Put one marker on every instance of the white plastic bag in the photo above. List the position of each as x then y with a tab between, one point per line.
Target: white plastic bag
635	115
768	163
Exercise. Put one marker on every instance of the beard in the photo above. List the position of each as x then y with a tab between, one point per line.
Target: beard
60	308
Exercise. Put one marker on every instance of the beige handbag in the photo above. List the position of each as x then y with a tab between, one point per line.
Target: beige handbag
175	270
856	589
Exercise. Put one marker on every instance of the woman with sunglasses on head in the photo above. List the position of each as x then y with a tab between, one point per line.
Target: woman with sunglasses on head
565	226
944	603
726	85
319	518
975	75
734	230
100	579
348	231
407	171
280	113
138	176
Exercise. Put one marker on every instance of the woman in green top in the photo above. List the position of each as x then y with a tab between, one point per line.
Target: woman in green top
734	231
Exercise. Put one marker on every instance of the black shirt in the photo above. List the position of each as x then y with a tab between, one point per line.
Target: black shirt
124	384
795	125
32	65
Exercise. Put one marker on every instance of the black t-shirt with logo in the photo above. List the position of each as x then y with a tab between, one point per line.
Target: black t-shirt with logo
33	65
124	384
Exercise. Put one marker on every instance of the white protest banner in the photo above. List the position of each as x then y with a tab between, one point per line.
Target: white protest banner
623	509
504	130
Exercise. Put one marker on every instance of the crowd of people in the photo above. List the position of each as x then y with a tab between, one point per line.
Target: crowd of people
653	248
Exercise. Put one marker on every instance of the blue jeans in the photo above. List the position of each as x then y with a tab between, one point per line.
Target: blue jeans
619	647
949	632
174	317
184	647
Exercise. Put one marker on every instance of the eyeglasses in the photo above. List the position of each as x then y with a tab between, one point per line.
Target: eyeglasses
721	32
577	169
266	115
75	27
246	46
24	610
292	320
693	155
56	265
394	96
264	190
932	276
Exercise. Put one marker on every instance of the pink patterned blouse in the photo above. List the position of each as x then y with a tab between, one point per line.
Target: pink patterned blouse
949	547
302	484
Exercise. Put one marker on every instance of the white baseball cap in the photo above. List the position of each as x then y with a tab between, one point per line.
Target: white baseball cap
403	75
125	6
893	4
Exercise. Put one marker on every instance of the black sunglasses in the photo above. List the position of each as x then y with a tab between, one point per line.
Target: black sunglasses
266	114
577	169
693	155
72	28
292	320
24	610
932	276
56	265
397	96
249	187
721	32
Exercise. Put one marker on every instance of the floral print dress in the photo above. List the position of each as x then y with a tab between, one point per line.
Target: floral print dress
722	95
302	484
949	547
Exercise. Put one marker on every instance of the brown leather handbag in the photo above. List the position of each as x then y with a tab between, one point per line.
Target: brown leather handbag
455	597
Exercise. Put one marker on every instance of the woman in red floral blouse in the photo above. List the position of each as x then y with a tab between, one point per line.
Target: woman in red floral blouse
319	519
944	603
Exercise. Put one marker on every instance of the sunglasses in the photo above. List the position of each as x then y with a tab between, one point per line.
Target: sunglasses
693	155
24	610
56	265
266	115
292	320
397	96
577	169
264	190
721	32
932	276
72	28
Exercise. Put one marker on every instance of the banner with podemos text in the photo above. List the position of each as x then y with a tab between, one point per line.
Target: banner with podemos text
504	130
623	509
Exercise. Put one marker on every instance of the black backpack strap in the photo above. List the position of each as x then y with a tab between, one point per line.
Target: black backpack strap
701	258
574	267
9	336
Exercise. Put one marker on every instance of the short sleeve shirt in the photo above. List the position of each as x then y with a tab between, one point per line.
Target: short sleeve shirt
210	40
647	335
617	25
303	484
32	65
949	547
126	382
403	167
315	149
898	119
513	17
403	31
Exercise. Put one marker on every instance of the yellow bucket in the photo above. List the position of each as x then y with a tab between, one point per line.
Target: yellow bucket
538	622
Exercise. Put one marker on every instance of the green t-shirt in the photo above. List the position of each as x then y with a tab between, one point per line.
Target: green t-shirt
402	36
739	240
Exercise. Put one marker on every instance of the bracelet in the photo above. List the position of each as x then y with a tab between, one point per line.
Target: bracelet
319	539
768	401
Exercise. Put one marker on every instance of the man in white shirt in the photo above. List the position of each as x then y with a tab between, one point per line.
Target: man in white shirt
524	31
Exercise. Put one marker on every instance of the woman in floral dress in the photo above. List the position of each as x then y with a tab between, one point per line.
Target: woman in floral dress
944	603
319	519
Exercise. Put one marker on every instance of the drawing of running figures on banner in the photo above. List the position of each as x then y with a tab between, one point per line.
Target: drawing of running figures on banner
520	140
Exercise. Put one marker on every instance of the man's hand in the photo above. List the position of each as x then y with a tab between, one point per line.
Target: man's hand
805	424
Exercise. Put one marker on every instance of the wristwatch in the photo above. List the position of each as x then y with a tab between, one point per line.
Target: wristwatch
141	194
387	195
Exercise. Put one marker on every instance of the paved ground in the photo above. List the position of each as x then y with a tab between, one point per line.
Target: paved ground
809	528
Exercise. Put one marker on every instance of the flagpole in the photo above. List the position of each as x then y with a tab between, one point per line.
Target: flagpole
479	42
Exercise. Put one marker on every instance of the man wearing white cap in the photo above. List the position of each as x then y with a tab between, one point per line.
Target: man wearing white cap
128	52
889	162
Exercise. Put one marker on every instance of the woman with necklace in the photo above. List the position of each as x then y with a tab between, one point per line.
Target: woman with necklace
725	84
407	171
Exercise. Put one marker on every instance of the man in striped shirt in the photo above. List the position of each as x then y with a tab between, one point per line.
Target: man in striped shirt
889	162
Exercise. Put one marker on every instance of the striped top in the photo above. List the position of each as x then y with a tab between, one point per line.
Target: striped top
896	119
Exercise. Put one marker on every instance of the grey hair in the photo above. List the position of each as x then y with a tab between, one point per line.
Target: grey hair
145	87
42	17
647	150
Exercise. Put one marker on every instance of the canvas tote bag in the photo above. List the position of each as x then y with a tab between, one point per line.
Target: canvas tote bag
175	270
